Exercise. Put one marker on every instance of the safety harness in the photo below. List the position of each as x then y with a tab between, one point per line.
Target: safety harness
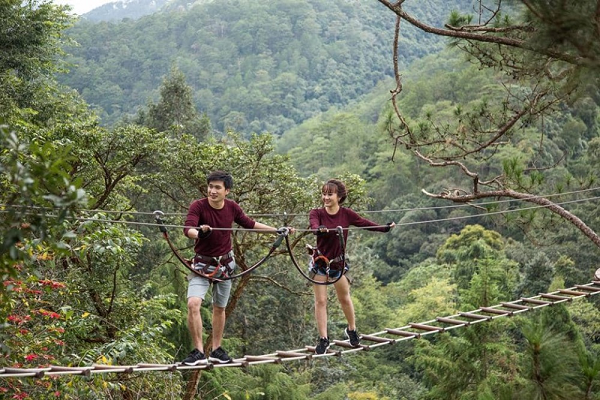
200	265
212	267
321	262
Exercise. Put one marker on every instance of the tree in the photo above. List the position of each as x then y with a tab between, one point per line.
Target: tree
175	112
546	54
34	174
478	252
32	36
479	360
550	366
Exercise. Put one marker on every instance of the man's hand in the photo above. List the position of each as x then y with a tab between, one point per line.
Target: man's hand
285	230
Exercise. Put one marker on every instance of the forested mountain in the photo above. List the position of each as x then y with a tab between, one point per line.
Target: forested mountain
253	65
124	9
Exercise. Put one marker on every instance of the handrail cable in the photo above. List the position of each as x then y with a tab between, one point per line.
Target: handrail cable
82	219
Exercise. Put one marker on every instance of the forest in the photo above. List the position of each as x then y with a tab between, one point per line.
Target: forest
473	125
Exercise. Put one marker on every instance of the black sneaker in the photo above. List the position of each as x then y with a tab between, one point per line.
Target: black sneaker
353	336
322	346
220	356
194	358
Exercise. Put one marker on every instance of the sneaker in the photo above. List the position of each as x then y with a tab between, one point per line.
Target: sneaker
322	346
220	356
194	358
353	336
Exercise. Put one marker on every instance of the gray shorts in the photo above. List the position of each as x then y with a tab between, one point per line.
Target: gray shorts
198	287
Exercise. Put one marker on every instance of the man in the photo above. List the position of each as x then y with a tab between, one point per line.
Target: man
213	249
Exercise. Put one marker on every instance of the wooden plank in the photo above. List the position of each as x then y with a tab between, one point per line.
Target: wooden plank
120	368
291	354
536	301
474	316
276	360
589	288
495	311
403	333
344	343
36	372
555	297
85	371
572	292
452	321
424	327
515	306
376	339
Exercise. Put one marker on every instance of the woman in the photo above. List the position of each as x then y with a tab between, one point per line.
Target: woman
324	222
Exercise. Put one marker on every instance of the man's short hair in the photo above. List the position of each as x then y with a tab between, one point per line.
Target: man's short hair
223	176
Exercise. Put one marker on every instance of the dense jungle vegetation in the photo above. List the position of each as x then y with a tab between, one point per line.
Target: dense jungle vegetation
103	123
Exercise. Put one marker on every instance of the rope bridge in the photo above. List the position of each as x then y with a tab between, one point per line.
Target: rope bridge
368	342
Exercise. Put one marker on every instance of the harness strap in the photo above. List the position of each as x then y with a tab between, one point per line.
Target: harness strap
221	264
337	259
281	234
224	259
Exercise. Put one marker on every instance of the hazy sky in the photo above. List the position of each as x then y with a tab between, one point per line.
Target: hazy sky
83	6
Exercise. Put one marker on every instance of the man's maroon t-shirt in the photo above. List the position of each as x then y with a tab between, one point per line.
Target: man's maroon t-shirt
218	243
328	243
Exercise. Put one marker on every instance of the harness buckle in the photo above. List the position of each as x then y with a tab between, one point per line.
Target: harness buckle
220	264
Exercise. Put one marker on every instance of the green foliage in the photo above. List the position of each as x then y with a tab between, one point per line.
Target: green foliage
110	299
34	179
34	333
481	359
33	31
45	327
260	382
550	368
538	273
437	297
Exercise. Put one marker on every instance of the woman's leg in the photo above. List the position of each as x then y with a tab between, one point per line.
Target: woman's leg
321	305
342	290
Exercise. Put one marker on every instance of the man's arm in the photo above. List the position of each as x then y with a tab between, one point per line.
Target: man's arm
267	228
264	227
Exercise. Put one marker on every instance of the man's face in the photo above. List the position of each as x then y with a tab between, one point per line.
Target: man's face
217	191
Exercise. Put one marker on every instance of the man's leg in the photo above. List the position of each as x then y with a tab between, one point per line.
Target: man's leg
218	326
221	292
195	322
197	289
